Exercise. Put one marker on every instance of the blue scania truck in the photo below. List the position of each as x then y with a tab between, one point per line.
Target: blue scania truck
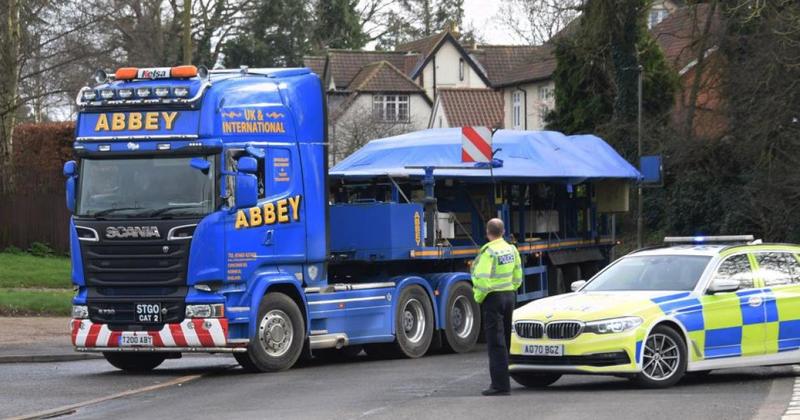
205	219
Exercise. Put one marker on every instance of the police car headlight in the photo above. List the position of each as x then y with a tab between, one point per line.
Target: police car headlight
216	310
180	91
80	312
613	325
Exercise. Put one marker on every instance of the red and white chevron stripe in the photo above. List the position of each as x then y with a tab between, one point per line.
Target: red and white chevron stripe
198	332
476	144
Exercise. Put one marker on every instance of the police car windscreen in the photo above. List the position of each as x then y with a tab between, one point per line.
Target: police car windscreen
144	187
655	272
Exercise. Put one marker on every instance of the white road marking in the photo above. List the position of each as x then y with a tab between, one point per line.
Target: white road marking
793	409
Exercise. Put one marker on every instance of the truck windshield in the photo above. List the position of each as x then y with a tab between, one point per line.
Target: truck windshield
144	187
652	272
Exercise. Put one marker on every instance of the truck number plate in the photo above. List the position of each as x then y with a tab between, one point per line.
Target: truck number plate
148	312
133	339
542	350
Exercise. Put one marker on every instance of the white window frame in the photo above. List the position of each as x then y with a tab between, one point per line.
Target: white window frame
387	108
516	110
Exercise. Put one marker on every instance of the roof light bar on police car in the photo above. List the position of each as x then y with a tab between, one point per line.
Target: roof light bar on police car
707	239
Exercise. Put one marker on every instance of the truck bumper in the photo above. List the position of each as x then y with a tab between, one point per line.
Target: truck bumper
191	335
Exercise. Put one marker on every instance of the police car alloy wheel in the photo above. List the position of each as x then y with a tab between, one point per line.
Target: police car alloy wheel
663	358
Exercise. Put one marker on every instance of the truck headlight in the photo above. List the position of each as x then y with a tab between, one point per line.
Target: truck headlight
613	325
80	312
216	310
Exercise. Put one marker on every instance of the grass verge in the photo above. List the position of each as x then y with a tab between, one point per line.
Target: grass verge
24	270
35	302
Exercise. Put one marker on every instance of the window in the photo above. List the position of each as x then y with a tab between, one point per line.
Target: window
543	110
516	110
651	272
736	267
656	16
391	108
545	93
777	268
461	69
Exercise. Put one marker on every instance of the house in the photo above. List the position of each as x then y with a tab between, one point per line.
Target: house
437	81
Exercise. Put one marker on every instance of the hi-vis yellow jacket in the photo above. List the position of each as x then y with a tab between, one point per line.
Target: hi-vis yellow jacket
497	268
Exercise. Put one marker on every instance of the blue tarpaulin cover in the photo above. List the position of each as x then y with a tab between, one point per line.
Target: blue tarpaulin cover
541	155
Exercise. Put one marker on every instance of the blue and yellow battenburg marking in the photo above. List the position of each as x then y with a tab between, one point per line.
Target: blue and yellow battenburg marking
285	210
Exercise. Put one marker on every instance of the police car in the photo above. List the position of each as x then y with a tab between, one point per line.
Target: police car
694	305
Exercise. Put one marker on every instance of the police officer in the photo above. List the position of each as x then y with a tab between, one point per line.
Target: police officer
496	275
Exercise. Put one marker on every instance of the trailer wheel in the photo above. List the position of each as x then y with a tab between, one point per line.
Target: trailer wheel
413	322
135	362
280	332
462	319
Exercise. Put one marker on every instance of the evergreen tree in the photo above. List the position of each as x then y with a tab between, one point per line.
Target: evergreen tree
276	35
449	13
337	25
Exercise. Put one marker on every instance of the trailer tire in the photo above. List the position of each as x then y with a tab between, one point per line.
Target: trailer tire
413	322
135	362
280	332
462	319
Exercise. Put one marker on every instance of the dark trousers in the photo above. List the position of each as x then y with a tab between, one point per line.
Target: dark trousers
497	310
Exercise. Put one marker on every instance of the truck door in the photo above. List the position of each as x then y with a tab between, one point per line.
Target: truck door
272	232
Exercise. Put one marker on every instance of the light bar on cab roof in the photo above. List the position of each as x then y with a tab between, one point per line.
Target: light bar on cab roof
177	72
707	239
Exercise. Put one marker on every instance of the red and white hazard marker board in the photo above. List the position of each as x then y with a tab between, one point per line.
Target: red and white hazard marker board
476	144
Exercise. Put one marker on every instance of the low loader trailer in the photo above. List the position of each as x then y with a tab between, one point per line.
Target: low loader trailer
205	219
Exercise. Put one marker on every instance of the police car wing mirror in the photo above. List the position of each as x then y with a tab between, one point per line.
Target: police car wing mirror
71	172
576	285
248	165
200	164
722	285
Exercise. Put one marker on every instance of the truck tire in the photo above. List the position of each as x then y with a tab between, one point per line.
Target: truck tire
462	319
413	323
535	380
135	362
280	332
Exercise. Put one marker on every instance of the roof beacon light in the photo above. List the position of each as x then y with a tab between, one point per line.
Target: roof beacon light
708	239
126	73
183	72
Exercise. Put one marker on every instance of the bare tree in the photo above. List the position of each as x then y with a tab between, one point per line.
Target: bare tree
538	21
351	130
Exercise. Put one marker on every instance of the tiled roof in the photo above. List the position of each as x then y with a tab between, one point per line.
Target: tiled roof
316	64
424	46
508	64
344	65
382	77
477	107
679	34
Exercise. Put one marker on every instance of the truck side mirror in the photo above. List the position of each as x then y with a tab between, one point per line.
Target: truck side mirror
200	164
246	182
71	172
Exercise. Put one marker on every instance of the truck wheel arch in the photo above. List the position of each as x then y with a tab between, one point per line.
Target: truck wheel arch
276	283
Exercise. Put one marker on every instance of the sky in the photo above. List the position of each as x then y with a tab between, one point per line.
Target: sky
482	14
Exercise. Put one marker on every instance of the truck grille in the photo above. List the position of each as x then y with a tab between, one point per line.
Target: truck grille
529	329
161	264
563	330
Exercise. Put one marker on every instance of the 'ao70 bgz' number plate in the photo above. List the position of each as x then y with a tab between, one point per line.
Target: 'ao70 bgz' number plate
542	350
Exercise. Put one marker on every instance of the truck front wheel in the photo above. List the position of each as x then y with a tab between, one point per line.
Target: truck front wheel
135	362
280	332
462	320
